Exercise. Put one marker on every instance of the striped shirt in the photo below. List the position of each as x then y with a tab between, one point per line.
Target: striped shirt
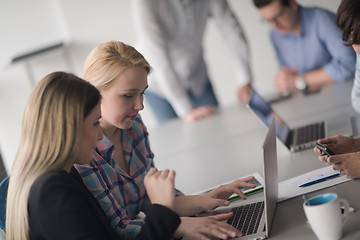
121	195
355	94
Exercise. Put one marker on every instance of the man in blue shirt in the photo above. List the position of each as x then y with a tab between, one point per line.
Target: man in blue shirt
308	45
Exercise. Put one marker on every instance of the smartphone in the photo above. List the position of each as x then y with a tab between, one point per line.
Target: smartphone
325	150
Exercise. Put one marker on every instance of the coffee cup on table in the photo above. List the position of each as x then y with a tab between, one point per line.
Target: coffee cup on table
324	215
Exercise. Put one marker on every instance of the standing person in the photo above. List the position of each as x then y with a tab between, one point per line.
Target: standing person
46	197
122	158
170	35
347	149
308	46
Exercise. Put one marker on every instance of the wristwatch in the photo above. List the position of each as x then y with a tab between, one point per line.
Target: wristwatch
300	83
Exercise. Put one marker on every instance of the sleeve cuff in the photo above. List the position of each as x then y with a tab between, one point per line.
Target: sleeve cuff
163	221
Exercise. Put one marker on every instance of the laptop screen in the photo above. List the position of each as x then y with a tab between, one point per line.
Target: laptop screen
270	176
264	111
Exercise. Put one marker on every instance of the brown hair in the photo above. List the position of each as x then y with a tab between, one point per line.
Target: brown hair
348	20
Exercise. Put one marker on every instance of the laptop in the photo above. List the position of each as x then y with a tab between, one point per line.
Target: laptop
254	217
303	137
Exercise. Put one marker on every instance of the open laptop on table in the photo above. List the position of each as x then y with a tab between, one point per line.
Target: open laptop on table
254	217
303	137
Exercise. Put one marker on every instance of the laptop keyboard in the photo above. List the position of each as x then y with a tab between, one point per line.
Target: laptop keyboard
310	133
247	218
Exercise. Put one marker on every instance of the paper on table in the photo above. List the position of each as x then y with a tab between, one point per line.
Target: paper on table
290	188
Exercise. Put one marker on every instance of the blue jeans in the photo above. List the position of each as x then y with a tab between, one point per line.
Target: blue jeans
163	110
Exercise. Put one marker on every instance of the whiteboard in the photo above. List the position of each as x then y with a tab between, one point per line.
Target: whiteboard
27	26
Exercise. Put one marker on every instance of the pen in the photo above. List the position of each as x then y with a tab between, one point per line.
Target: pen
320	180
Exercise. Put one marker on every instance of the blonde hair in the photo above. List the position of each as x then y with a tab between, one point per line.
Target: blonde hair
108	60
51	130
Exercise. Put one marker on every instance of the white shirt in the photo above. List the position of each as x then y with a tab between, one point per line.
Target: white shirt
170	36
355	94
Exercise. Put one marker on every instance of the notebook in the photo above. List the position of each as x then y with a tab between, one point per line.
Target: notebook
303	137
254	217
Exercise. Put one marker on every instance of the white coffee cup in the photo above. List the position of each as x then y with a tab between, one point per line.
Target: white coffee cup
324	215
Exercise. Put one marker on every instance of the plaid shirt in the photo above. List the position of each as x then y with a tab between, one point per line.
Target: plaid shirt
121	195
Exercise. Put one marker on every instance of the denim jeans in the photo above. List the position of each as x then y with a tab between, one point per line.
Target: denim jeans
163	110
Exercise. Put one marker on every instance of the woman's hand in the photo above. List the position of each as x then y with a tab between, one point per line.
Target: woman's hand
206	227
218	196
339	145
160	187
348	164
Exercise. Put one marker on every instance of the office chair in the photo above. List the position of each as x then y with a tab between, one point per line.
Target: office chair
3	194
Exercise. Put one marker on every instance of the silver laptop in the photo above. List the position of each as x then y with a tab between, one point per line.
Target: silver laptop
303	137
254	217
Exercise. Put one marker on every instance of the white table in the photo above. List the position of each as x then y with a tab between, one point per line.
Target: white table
228	146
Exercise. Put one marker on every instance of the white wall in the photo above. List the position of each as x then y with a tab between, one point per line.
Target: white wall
91	22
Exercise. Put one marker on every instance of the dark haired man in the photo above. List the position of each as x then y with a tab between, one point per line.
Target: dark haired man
308	45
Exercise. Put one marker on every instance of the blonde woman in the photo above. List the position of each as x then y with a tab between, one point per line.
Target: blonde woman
46	197
122	158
